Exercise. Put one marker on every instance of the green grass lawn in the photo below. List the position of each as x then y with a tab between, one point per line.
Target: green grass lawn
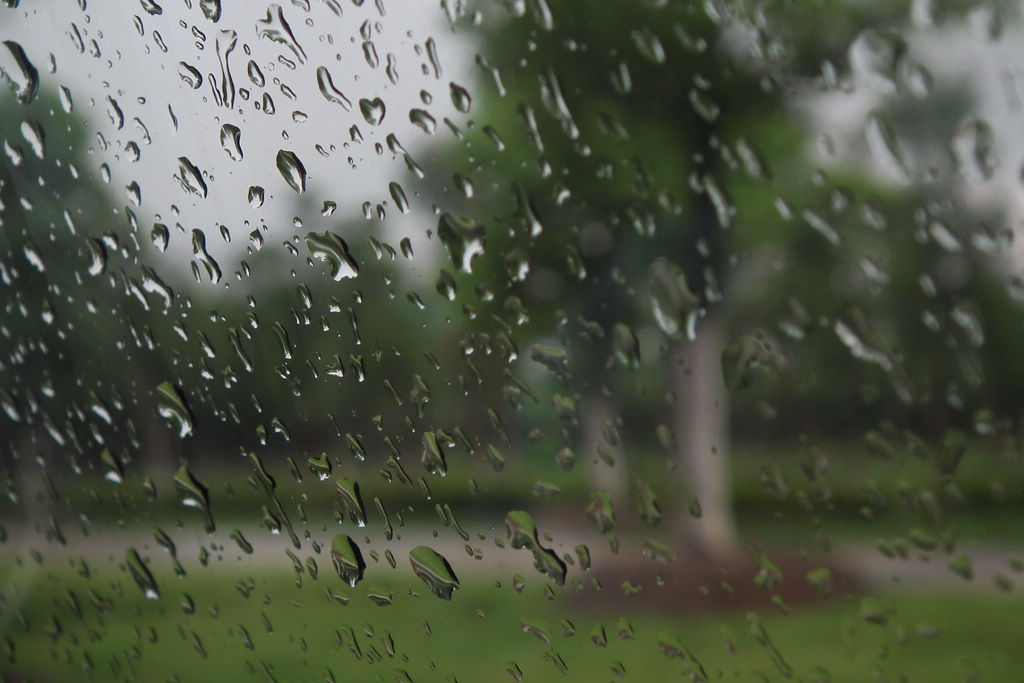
245	621
230	624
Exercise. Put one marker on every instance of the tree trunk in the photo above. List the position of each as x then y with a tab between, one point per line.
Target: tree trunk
702	437
602	476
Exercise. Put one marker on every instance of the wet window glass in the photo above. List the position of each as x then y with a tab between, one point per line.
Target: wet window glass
473	339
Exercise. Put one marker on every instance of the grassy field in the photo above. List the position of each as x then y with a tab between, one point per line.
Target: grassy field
238	620
231	625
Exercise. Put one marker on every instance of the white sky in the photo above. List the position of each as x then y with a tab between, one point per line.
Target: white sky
144	80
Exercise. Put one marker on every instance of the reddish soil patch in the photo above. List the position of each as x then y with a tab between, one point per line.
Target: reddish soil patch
701	583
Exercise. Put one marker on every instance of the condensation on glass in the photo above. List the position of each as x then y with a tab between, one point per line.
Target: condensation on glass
384	339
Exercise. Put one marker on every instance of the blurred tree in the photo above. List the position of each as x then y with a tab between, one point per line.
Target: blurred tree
74	381
648	164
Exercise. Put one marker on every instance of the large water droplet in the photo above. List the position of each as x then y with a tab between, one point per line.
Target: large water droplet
874	58
231	141
372	110
211	9
255	196
328	247
292	170
434	570
423	119
883	145
190	75
35	137
274	27
330	91
601	512
973	147
398	194
195	495
433	455
463	240
16	68
151	7
255	74
171	406
191	178
674	306
460	97
348	559
141	575
97	256
351	500
647	504
522	533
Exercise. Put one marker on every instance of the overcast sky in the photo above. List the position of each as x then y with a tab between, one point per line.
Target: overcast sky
135	57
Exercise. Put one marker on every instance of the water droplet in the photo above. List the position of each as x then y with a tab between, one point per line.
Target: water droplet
554	102
398	194
226	40
973	147
433	455
255	196
674	306
331	92
649	45
23	76
372	110
292	170
211	9
460	97
647	504
255	74
424	120
191	178
657	551
160	236
435	62
65	100
241	541
231	141
195	495
625	346
151	7
114	113
190	75
445	285
35	137
275	28
171	406
864	344
874	58
462	238
321	467
522	533
883	145
203	257
97	256
332	249
601	512
819	224
554	358
434	570
141	575
152	284
380	599
348	559
370	54
351	500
